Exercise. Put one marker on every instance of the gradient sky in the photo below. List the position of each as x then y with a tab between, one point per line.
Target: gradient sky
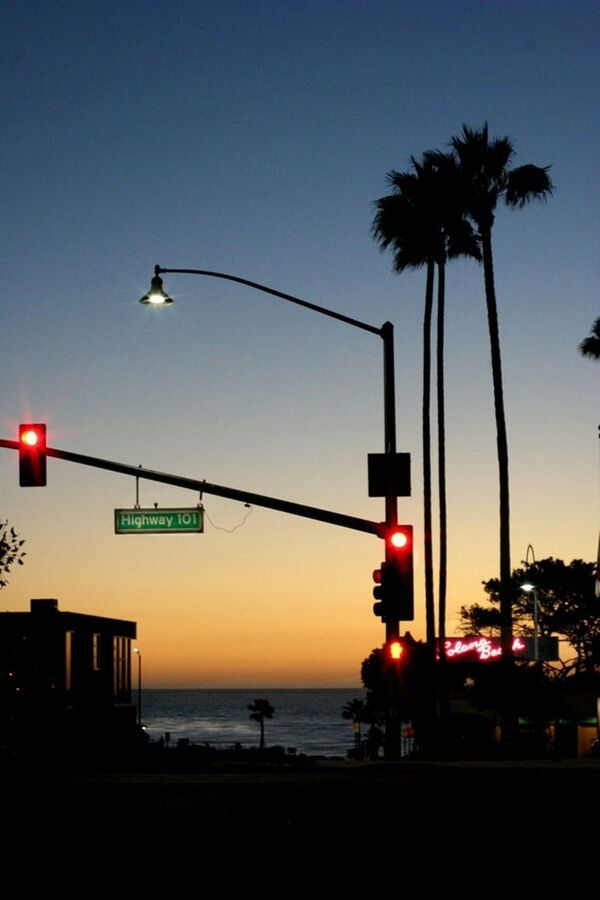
253	138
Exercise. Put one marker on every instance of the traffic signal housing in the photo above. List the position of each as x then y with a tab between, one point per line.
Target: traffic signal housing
32	454
383	592
399	555
394	580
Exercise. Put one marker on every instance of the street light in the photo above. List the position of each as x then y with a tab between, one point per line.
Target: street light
531	588
139	687
157	297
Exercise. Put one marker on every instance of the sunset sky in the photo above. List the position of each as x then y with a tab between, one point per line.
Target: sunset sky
253	138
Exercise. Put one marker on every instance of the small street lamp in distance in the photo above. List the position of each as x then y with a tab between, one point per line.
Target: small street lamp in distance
531	588
139	686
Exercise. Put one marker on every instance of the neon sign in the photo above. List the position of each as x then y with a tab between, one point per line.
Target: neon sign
479	649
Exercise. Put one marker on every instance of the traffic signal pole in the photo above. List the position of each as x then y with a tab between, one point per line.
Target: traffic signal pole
193	484
392	625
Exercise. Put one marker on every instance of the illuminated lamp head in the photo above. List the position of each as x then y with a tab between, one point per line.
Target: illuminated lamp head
156	296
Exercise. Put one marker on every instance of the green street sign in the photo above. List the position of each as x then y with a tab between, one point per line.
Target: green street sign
159	521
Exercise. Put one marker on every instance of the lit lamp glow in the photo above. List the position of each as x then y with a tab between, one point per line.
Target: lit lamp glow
531	588
137	651
156	296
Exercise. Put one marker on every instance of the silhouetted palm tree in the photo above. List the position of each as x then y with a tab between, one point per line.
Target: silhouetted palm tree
401	223
355	710
260	710
484	165
424	222
455	238
590	346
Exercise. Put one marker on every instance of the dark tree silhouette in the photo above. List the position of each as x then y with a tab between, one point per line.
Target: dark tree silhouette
423	220
484	166
567	607
590	346
11	551
355	711
400	223
260	710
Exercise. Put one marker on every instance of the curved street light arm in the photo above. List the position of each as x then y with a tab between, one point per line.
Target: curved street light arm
158	270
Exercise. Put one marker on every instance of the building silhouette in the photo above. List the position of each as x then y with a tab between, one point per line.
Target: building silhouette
65	680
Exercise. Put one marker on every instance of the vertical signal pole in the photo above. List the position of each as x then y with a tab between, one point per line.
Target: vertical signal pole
392	622
392	625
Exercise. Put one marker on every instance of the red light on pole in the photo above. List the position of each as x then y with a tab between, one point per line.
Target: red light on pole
30	437
399	571
398	539
395	650
32	454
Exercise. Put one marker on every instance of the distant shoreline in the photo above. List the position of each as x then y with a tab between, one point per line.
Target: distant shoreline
253	689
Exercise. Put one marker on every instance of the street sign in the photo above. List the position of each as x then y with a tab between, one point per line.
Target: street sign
159	521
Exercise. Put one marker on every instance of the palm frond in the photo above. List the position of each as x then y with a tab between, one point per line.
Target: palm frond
590	346
462	241
471	146
498	155
527	183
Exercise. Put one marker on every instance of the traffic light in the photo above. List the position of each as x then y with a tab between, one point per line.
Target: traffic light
395	650
403	652
394	580
399	555
32	454
383	592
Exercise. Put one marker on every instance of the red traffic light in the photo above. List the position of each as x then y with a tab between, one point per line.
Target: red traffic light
32	454
395	650
398	579
30	436
400	538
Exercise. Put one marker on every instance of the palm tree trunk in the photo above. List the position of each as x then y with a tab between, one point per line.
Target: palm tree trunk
442	690
427	529
509	721
441	412
262	733
502	445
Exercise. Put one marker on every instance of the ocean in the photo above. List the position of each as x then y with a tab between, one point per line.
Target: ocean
308	720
